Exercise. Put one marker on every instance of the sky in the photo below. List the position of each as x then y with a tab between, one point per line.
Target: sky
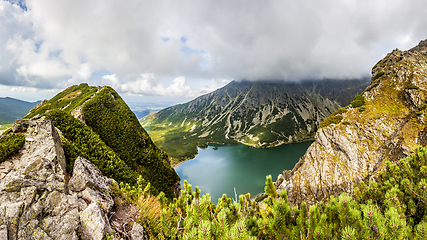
174	51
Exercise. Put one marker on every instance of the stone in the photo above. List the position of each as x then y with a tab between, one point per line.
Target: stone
20	125
86	174
3	232
137	232
94	224
105	201
82	205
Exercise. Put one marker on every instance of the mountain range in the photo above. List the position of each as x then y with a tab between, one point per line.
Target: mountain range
258	114
12	109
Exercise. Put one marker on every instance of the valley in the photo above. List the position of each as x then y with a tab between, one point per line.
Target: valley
257	114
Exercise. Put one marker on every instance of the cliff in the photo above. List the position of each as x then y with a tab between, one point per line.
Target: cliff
384	123
258	114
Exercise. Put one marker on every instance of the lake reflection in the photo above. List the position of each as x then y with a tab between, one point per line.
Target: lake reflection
238	166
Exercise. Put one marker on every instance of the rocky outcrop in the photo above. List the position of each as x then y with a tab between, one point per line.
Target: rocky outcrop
36	202
386	126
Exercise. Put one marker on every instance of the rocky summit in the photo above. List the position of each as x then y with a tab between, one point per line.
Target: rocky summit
37	201
384	123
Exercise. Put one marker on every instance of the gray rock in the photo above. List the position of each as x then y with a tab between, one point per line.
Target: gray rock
3	232
137	232
105	201
86	174
20	125
94	224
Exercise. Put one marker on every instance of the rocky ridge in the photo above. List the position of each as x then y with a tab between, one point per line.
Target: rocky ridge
37	201
384	124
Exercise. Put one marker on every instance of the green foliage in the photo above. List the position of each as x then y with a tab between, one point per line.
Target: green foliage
358	101
362	109
333	119
10	145
109	116
423	107
346	123
66	100
113	139
411	86
393	207
80	140
378	75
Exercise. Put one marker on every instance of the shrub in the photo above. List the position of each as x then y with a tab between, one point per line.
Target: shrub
411	86
10	145
392	207
423	107
362	109
358	101
333	119
378	75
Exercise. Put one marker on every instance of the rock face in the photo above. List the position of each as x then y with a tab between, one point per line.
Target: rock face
386	126
35	200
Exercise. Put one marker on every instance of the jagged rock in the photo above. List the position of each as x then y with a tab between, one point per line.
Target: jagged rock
85	174
20	125
105	201
34	200
137	232
386	128
94	224
3	232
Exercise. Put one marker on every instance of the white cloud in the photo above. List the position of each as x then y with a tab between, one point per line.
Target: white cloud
57	43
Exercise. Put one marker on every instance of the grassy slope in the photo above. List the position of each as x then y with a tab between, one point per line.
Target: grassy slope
114	140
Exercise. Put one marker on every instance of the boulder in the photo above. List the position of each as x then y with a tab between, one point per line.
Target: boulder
137	232
86	174
94	223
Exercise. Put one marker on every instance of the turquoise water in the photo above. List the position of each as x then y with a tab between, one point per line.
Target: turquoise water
239	167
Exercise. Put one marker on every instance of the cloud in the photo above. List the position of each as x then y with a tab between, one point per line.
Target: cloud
141	43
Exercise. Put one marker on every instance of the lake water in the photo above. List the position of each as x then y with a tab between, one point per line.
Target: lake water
238	166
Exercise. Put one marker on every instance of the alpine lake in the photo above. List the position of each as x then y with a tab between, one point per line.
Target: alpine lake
238	169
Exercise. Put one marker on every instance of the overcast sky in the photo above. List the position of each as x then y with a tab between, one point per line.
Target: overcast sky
176	50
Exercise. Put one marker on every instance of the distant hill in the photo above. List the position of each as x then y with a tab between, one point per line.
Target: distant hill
259	114
12	109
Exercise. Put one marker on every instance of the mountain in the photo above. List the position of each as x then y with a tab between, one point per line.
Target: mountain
384	123
12	109
97	124
259	114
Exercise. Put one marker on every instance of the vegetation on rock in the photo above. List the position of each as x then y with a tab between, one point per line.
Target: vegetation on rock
109	135
11	144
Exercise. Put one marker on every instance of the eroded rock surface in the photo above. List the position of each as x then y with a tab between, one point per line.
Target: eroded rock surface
36	202
386	127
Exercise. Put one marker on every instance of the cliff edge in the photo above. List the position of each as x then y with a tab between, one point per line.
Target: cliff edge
383	123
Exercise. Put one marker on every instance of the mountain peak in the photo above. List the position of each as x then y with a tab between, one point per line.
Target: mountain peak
384	123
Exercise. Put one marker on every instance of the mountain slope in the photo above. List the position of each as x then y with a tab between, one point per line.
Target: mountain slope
259	114
105	131
11	109
384	123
